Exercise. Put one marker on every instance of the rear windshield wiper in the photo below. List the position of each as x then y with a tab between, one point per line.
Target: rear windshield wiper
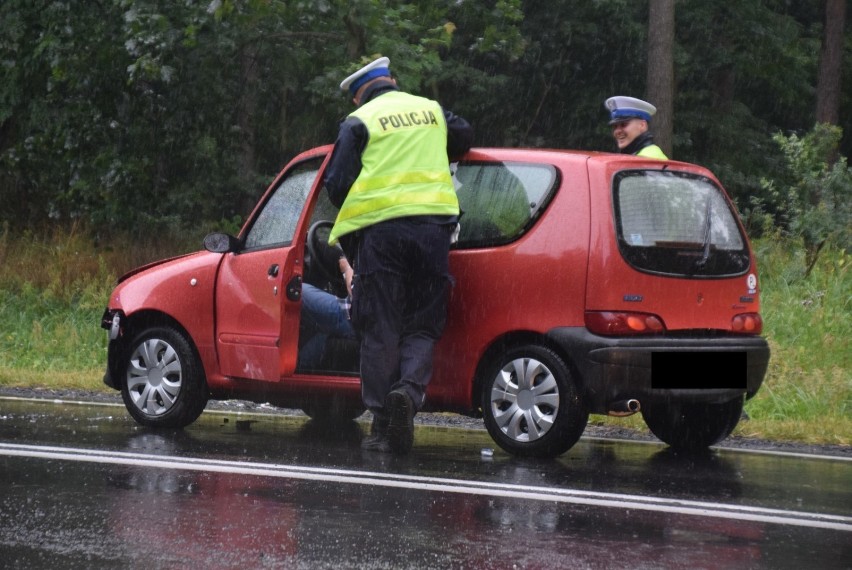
708	223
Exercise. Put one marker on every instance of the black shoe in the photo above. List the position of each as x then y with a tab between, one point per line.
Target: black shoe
400	410
376	443
378	438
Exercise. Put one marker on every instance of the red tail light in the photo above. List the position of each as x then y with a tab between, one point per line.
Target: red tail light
747	323
623	323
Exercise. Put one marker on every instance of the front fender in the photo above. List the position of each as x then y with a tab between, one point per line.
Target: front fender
183	291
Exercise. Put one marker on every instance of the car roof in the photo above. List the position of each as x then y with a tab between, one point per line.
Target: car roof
547	155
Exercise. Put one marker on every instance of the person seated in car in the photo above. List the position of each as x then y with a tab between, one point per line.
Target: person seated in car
324	315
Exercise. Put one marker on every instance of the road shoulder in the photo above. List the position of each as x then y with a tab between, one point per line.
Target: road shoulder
443	419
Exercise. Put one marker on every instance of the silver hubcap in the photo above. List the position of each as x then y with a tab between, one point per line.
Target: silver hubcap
154	377
525	399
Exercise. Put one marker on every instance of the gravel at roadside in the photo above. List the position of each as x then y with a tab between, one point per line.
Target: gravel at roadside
442	419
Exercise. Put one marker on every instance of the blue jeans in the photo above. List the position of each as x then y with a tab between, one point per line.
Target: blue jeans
323	315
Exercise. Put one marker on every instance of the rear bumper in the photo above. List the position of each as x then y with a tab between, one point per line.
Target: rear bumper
619	368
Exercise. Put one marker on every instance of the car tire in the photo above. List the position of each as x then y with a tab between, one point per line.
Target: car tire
163	383
692	426
531	404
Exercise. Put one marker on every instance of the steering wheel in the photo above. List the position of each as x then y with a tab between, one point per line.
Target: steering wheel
323	256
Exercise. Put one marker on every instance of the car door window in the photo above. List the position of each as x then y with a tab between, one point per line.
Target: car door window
276	223
324	209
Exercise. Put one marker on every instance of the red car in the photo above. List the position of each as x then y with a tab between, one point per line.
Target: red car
584	283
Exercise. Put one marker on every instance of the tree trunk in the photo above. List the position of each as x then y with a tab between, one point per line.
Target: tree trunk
831	63
356	42
283	126
246	112
660	78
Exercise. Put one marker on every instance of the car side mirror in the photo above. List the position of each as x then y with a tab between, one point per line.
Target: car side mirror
219	242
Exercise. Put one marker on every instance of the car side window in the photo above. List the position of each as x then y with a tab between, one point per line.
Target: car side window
500	201
276	223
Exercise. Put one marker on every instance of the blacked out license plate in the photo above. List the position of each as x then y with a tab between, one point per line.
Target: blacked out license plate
698	370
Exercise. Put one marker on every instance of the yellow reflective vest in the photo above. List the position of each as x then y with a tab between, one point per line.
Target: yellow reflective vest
404	167
652	151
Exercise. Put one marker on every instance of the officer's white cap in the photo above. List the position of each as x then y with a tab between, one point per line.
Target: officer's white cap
621	108
376	68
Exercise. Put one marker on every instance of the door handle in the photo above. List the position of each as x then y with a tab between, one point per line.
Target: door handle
273	270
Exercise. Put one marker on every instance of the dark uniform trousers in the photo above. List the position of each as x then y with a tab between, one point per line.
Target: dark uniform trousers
399	305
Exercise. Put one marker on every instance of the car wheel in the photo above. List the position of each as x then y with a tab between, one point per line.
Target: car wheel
531	404
692	426
163	384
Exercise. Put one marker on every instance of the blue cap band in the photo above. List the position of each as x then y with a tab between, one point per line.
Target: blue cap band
620	114
372	74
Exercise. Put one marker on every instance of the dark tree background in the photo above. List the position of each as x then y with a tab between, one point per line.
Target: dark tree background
146	116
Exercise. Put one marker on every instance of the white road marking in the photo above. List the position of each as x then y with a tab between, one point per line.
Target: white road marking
439	484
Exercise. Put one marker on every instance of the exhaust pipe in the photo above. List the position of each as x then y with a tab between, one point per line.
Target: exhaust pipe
623	408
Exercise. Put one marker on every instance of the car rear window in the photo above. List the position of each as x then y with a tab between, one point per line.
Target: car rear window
500	200
677	223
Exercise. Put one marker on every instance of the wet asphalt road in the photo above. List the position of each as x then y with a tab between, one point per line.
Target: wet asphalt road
83	486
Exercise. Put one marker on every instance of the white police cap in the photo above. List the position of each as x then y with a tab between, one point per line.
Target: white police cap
376	68
622	108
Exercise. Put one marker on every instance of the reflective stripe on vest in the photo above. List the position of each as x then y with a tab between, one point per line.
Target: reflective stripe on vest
395	182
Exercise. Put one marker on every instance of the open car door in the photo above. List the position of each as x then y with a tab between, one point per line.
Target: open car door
259	286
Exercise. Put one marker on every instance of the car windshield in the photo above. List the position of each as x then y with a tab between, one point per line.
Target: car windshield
678	224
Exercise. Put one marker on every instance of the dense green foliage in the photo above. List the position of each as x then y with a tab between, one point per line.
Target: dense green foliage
813	195
149	116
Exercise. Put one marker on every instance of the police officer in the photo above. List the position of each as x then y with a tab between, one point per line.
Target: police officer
629	118
389	175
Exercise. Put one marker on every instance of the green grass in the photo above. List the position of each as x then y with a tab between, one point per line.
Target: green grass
807	395
53	291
